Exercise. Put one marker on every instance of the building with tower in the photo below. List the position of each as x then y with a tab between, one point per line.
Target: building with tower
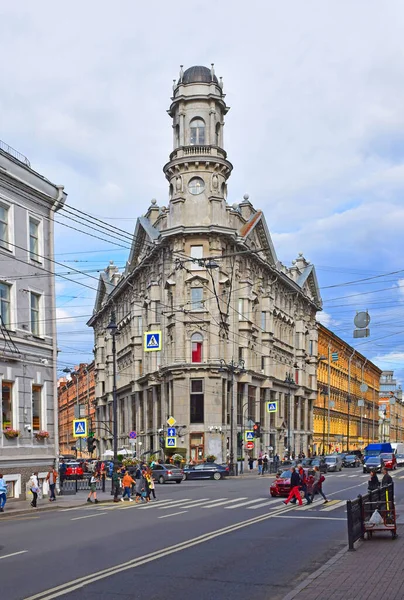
238	327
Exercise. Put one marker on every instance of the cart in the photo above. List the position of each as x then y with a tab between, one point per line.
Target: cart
385	507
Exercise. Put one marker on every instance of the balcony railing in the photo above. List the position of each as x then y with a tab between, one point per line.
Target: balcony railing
198	151
12	152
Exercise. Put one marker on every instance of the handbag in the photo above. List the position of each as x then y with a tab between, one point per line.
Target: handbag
144	494
34	489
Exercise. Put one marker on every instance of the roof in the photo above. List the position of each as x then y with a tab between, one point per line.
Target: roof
198	74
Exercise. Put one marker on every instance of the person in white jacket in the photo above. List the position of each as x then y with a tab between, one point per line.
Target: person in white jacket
3	493
33	484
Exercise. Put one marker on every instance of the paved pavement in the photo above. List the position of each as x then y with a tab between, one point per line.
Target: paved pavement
18	507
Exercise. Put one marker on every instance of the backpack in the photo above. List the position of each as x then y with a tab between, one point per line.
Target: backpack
322	478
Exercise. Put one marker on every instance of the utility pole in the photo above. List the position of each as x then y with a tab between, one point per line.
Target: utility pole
113	328
349	398
289	380
232	367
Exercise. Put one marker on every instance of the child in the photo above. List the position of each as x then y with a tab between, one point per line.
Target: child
93	487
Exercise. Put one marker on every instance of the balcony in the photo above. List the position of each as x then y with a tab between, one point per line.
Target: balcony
213	151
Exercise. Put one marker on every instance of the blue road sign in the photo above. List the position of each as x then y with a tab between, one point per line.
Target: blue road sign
249	436
171	442
80	428
171	432
132	435
272	407
152	341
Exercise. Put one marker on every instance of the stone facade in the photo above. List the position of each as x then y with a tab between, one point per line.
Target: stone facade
245	306
28	349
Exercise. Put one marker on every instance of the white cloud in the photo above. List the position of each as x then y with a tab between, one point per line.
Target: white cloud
324	318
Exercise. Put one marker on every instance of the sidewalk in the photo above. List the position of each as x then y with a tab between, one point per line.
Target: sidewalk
373	571
21	507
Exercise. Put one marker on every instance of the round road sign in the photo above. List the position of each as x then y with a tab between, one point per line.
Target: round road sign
250	445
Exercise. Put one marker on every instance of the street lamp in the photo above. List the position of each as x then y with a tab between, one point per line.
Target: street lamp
231	367
290	381
324	393
113	328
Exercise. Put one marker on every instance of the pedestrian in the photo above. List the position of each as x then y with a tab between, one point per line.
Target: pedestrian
259	461
95	477
317	485
116	483
127	482
140	483
388	481
51	479
373	483
146	487
62	473
103	475
251	463
33	484
294	487
152	486
3	493
265	461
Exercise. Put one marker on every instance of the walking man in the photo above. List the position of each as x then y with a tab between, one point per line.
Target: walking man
3	493
127	483
116	483
265	464
51	479
34	487
317	485
259	461
294	487
62	473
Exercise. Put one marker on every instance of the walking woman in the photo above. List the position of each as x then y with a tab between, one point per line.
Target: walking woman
33	484
150	482
317	485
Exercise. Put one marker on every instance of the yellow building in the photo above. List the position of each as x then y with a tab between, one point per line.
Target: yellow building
346	411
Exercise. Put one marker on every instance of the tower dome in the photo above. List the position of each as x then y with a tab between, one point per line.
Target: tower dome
198	74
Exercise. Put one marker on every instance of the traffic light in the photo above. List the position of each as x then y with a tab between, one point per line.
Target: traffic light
257	430
91	441
161	442
239	440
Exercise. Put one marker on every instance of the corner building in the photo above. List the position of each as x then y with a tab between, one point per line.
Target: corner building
205	273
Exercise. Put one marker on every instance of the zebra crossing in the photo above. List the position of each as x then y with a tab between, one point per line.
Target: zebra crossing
242	502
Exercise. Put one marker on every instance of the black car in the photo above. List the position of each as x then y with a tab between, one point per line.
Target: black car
372	463
351	461
206	471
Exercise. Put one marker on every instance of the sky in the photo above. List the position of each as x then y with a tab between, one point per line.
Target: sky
315	134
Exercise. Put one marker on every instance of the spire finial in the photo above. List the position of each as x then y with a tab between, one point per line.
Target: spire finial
212	70
221	82
181	73
174	84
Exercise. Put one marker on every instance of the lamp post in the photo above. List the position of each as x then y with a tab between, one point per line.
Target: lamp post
290	381
232	367
324	394
113	328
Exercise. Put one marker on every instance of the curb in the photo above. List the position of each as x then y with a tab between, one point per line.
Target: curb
304	584
28	511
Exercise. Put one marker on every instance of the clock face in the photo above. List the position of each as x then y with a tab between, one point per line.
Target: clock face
196	186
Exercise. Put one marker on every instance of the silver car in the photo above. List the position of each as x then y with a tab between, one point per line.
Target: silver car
164	473
334	463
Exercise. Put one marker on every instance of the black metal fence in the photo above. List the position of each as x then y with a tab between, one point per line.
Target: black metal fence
69	486
362	508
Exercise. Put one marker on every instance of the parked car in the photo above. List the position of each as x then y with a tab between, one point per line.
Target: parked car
164	473
318	461
400	460
389	461
351	461
206	471
334	463
73	470
372	463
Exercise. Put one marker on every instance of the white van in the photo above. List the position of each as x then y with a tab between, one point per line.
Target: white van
397	448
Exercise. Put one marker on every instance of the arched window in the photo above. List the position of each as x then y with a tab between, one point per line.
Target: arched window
217	134
196	347
197	132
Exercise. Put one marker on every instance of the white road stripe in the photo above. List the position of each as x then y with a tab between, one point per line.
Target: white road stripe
13	554
242	504
186	504
333	506
216	503
88	516
172	515
150	505
143	505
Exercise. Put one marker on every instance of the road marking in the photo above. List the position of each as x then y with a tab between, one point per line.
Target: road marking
293	517
77	584
12	518
186	505
173	503
143	505
242	504
13	554
216	503
337	504
172	515
89	516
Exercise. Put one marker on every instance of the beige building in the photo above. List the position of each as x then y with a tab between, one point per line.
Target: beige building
205	273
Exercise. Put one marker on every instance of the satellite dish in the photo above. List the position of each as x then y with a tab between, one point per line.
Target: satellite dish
363	388
362	319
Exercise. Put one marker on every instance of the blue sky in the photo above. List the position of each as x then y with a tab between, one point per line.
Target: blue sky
315	134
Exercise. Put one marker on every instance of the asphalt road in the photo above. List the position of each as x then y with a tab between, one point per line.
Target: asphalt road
204	540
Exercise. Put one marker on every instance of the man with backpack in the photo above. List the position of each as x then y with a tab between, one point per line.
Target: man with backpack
317	485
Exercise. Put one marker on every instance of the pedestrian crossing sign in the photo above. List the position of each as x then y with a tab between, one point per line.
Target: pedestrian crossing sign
152	341
272	407
249	436
171	442
80	428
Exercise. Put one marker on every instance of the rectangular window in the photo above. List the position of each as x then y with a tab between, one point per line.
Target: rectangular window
243	309
7	404
157	318
197	298
139	325
263	321
196	352
5	304
36	407
33	239
196	253
262	363
4	227
197	401
251	403
35	300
